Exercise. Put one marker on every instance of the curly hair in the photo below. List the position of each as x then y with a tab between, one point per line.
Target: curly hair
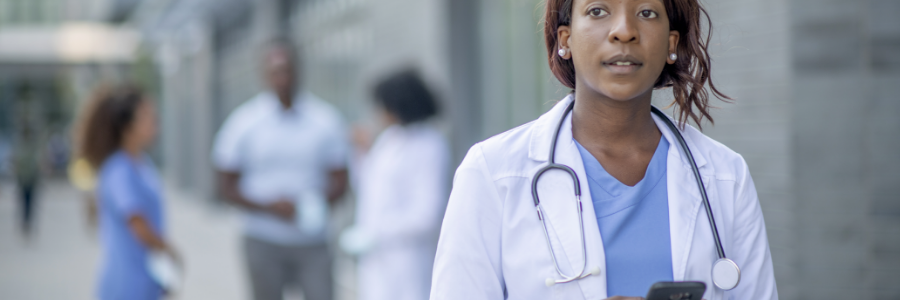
687	76
108	114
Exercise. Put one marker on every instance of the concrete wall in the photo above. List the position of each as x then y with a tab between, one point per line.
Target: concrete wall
845	148
517	83
348	45
187	109
752	64
52	12
208	64
816	85
485	59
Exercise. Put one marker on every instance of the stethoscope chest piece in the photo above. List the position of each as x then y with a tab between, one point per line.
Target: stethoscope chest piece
726	274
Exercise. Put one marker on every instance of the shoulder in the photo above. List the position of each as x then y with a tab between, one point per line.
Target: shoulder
426	133
505	154
245	113
252	107
116	167
426	138
243	118
323	111
728	164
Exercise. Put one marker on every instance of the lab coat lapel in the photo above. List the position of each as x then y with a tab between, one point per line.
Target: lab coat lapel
684	200
544	128
559	205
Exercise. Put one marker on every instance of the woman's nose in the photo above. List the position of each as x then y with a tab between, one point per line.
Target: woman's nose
623	29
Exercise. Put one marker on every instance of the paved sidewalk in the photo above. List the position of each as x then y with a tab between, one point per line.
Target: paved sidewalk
61	261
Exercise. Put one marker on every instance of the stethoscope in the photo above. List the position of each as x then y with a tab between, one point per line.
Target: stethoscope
725	272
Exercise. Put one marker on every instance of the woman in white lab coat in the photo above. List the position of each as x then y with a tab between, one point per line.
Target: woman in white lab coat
401	184
640	218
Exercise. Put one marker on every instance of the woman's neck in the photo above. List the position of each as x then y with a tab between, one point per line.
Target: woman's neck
133	151
621	135
598	120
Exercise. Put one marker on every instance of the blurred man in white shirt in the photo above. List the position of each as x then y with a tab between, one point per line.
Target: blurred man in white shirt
281	157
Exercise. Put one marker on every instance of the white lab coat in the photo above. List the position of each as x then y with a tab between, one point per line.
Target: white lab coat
492	245
402	191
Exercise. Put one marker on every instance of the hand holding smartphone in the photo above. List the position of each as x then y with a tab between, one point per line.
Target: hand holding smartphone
677	290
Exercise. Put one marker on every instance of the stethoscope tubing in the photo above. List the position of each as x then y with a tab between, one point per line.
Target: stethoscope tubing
712	221
552	165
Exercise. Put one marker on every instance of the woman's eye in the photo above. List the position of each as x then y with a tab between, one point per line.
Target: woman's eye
597	12
649	14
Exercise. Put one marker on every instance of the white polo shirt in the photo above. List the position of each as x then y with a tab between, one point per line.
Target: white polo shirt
281	154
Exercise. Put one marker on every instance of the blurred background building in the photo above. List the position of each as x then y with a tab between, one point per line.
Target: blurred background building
52	52
816	84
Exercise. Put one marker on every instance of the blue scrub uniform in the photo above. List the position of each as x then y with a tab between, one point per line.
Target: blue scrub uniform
127	187
634	224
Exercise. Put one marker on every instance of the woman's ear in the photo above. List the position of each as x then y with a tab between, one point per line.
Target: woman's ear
674	36
563	33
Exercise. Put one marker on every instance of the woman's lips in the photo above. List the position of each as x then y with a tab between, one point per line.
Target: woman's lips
622	67
623	64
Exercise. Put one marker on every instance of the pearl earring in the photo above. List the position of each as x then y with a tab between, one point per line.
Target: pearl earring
561	52
673	56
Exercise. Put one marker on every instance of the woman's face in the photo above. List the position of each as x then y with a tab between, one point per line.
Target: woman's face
143	128
618	47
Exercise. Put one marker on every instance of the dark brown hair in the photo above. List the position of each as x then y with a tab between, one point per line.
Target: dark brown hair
687	77
406	96
108	114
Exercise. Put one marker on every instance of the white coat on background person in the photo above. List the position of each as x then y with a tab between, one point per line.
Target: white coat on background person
492	245
401	186
401	194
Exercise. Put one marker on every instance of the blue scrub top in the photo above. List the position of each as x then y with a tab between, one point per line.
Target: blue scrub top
127	187
634	225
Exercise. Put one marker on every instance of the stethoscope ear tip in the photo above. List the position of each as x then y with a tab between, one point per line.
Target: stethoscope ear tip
550	282
595	271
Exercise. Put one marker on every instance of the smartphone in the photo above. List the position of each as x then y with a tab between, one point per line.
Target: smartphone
677	290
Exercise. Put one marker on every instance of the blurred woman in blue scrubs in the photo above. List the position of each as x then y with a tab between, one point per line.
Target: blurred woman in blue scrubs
119	126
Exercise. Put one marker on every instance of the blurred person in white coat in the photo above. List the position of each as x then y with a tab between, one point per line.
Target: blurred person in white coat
401	184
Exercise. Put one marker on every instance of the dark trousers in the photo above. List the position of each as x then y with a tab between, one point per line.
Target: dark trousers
26	196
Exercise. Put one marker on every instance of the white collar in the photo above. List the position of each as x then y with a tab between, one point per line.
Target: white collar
544	128
296	101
